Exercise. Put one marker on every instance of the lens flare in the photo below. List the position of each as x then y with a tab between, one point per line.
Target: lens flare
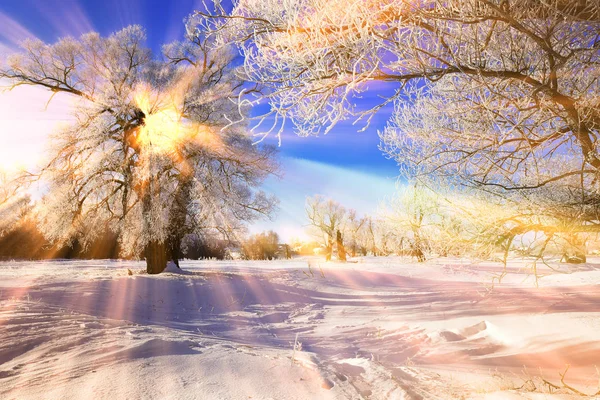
166	128
163	127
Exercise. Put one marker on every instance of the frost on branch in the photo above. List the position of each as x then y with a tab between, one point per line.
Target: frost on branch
495	95
14	205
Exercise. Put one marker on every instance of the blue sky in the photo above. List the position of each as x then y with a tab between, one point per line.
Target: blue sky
344	159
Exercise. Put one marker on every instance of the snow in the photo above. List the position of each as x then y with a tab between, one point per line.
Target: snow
377	328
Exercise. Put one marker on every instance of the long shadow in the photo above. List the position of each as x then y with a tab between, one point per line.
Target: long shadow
252	308
203	296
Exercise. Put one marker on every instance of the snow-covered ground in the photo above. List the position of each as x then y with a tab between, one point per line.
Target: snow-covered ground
375	328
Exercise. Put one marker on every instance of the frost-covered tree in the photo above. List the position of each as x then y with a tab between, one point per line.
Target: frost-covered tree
354	231
412	214
150	155
368	237
14	204
261	246
498	95
471	223
328	218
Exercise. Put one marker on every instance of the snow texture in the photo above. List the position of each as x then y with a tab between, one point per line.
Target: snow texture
375	328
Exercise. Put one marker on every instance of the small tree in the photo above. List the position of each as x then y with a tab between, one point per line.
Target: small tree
368	237
262	246
411	213
328	218
354	227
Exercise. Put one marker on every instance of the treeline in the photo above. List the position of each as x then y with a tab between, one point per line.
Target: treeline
266	246
25	241
342	232
421	223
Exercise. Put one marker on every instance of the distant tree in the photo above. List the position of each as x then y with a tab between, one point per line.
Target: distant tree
447	223
412	212
287	251
200	247
151	155
387	239
450	236
368	238
328	218
488	226
471	223
261	246
354	227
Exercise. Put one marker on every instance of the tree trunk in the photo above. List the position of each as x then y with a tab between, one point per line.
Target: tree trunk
418	252
328	251
177	218
155	251
288	252
174	249
328	248
575	251
340	246
418	248
156	257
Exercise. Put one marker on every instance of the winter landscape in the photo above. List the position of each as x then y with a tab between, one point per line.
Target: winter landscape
300	199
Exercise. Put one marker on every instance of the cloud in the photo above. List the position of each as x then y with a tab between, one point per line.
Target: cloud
66	17
11	34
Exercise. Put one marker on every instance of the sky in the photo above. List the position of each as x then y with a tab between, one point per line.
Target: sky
344	164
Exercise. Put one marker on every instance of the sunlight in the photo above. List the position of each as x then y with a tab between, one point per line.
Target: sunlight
163	128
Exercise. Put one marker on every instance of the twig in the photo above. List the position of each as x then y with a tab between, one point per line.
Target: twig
567	386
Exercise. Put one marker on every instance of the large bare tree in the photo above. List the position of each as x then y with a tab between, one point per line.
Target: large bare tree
150	155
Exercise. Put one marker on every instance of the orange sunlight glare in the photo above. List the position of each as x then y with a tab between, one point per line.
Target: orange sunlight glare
163	127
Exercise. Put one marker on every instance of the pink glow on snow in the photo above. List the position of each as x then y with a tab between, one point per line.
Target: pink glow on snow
378	315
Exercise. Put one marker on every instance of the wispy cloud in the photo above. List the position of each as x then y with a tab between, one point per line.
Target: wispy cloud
11	34
66	17
126	12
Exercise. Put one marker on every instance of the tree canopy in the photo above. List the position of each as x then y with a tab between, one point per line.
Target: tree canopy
496	95
151	154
